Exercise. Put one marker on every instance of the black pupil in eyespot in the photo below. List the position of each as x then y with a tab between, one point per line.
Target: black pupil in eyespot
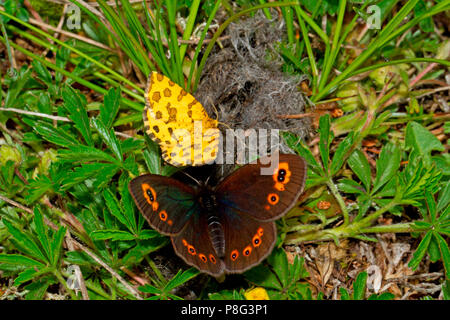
273	198
191	250
282	172
150	195
234	255
247	252
256	241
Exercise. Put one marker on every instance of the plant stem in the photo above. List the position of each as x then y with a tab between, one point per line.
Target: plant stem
61	279
340	200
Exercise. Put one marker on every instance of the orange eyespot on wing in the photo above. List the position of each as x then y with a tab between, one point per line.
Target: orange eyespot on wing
247	250
273	198
234	255
175	120
281	176
150	195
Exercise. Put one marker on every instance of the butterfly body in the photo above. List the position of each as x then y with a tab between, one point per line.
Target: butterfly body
227	228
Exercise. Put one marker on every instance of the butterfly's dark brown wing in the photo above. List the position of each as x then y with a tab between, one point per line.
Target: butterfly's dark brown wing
194	245
264	197
247	241
167	204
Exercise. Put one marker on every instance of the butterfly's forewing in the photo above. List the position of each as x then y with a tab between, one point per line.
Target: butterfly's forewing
194	245
165	203
247	241
264	197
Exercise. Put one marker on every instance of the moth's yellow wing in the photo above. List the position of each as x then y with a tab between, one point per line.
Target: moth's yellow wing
175	120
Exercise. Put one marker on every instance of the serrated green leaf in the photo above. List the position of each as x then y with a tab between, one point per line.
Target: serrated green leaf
115	209
42	233
341	152
325	140
110	107
280	265
20	260
387	165
181	278
114	235
26	242
443	199
37	289
262	276
350	186
85	153
54	134
75	103
360	166
109	137
56	245
420	251
359	286
149	289
422	141
445	253
297	144
143	248
25	276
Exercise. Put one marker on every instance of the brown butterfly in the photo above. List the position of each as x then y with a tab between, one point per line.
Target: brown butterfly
228	228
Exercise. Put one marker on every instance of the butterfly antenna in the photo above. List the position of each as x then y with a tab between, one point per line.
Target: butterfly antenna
196	181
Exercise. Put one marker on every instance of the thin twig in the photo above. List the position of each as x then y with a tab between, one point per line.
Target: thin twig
110	270
69	34
37	114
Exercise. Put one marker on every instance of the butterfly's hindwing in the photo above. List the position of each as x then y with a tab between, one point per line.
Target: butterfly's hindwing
194	245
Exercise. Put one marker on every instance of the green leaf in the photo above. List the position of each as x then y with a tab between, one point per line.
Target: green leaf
325	140
42	232
341	152
387	165
25	241
75	103
359	286
444	198
110	107
109	137
56	245
149	289
181	278
344	294
25	276
54	134
350	186
20	260
360	166
148	234
445	253
262	276
37	289
297	144
426	24
114	235
42	72
420	251
143	248
280	265
84	153
114	207
422	141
